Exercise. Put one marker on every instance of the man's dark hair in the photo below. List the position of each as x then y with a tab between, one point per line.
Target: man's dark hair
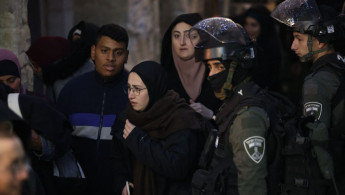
114	31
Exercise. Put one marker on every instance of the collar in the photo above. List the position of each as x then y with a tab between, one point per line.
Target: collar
334	60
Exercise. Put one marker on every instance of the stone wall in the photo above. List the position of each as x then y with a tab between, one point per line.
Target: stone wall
15	34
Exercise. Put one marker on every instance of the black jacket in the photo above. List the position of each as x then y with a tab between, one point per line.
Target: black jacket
173	159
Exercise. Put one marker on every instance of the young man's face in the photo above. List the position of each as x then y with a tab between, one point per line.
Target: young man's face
299	44
109	56
12	167
215	67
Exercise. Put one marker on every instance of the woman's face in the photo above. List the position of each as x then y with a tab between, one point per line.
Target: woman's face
181	44
11	81
252	27
137	92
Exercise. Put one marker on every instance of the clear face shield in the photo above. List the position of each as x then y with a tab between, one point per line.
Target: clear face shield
217	38
302	15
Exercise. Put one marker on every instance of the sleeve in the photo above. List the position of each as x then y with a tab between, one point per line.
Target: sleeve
318	91
122	164
48	122
173	157
248	140
48	150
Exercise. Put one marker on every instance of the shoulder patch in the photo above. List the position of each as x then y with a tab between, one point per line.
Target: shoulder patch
313	109
340	58
255	148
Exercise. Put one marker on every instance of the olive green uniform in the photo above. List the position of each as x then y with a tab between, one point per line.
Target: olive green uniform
248	144
245	141
319	89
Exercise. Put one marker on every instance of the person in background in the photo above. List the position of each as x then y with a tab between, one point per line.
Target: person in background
49	129
262	29
162	133
13	170
10	71
16	175
42	53
315	30
187	77
93	101
82	36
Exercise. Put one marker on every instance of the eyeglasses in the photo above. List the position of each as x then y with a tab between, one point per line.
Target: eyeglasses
135	90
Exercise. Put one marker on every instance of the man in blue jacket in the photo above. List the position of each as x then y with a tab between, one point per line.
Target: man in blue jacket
92	102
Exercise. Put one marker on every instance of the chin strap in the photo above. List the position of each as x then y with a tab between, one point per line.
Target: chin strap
227	85
311	53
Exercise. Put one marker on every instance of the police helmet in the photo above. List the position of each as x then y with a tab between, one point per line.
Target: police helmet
221	38
304	16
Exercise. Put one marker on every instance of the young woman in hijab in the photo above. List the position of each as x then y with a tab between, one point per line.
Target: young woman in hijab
187	77
162	132
261	27
10	71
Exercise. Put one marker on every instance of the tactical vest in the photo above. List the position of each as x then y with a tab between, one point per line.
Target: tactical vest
219	174
302	172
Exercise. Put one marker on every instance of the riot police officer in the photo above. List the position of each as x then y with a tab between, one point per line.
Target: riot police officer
315	30
238	164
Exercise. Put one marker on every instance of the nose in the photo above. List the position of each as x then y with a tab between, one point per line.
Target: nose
22	174
131	94
212	72
293	46
111	56
183	40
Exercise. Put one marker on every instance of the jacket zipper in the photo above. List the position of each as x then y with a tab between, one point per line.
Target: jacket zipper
101	122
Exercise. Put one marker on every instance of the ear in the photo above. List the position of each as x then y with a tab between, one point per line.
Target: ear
321	45
93	51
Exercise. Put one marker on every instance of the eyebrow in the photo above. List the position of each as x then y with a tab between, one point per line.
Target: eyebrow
137	86
116	49
180	31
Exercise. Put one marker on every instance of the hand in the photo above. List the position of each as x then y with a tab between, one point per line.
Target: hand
124	190
128	129
35	141
200	108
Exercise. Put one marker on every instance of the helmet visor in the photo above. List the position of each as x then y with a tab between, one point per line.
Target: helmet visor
302	15
214	32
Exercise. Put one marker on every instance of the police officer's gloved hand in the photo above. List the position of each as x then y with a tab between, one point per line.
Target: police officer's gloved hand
319	140
200	108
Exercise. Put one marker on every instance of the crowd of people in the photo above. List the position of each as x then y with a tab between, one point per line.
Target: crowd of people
197	122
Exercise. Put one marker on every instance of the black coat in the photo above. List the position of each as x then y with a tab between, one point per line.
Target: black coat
173	159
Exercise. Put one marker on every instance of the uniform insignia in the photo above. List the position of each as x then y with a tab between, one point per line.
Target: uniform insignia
330	29
255	148
240	92
313	109
216	142
339	57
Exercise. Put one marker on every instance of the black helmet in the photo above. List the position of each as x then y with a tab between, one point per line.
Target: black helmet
221	38
304	16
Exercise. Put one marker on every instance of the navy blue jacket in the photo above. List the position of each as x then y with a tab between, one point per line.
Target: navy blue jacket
92	104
